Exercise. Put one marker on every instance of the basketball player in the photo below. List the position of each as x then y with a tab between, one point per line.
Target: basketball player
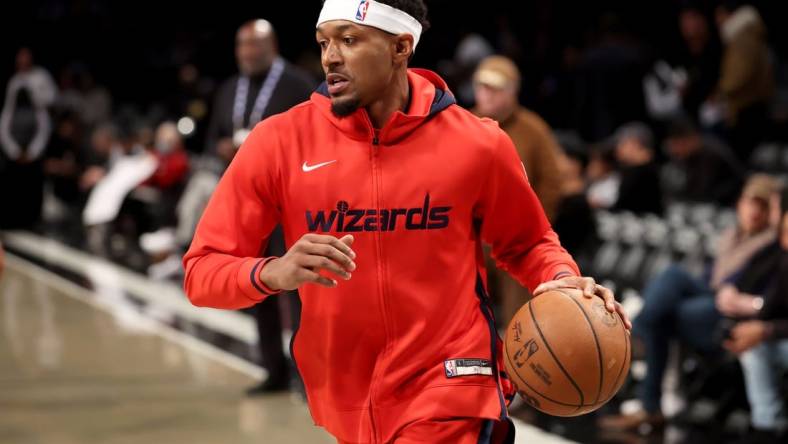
385	189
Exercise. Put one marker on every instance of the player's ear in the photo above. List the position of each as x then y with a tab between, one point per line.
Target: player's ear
403	48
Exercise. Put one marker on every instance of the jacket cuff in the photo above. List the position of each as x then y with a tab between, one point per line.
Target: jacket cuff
562	272
249	279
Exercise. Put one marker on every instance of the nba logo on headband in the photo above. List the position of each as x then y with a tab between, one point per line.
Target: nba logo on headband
361	14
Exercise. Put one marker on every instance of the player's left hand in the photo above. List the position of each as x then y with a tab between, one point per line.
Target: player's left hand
590	288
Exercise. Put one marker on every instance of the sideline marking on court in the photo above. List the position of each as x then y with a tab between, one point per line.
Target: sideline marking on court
152	325
163	295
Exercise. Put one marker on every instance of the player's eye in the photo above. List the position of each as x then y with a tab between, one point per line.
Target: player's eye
323	44
349	40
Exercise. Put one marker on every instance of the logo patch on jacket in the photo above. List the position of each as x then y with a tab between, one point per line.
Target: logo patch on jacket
348	220
467	367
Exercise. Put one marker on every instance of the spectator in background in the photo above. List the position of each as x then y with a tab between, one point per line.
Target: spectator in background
680	306
762	343
639	190
63	165
701	168
25	127
106	211
574	220
700	59
266	85
173	162
64	157
167	182
80	94
609	90
746	83
496	85
103	147
604	181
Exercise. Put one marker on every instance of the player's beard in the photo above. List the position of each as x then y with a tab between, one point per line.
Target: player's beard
345	107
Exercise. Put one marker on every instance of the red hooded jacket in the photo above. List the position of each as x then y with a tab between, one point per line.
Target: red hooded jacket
411	335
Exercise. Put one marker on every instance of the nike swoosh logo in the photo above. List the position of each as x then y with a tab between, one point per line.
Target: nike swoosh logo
308	168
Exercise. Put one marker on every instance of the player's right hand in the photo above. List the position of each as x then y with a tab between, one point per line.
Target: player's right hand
306	258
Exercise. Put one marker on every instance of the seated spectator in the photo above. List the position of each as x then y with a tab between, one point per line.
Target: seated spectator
680	306
92	103
64	160
172	158
603	177
574	219
159	211
151	203
701	168
762	343
128	165
102	148
639	191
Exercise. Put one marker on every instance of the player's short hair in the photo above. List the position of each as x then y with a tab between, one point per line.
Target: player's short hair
414	8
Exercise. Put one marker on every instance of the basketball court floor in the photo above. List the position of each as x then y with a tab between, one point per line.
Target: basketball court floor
93	353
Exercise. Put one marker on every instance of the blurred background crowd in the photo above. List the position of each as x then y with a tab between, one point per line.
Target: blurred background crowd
655	134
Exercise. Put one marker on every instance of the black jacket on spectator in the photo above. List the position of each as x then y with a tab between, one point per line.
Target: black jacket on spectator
709	175
639	191
775	302
575	224
760	273
703	74
293	87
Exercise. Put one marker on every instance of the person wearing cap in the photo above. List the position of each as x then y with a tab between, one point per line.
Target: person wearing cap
385	189
677	306
496	87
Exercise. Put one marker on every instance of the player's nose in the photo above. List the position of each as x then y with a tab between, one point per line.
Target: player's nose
331	57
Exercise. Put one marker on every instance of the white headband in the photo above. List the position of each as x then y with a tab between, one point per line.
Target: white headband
371	13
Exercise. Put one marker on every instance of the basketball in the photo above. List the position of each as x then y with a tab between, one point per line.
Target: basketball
566	354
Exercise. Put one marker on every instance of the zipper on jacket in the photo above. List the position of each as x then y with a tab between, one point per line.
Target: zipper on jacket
374	160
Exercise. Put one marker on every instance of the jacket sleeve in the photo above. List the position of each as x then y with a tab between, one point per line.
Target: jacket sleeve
223	263
514	224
